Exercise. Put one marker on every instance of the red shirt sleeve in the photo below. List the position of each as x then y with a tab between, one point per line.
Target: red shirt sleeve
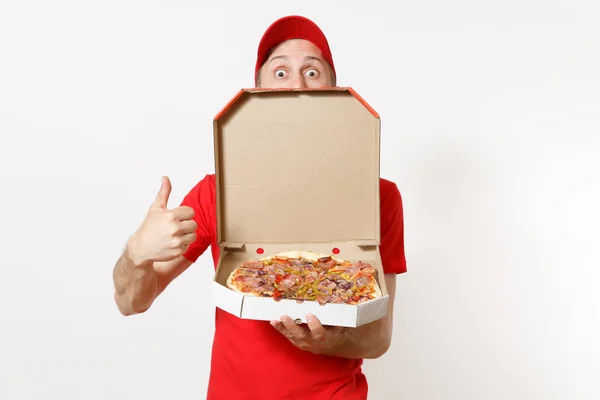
392	229
202	200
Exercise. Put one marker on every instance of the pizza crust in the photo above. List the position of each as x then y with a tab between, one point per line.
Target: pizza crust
230	284
377	289
308	255
237	290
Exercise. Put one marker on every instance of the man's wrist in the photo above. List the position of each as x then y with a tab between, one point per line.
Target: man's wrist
132	256
340	342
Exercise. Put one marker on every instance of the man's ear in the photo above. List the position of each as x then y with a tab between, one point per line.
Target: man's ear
333	77
257	77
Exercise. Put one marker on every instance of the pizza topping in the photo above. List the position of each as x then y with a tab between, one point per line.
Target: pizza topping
345	285
296	269
267	288
287	281
327	284
300	263
276	268
367	271
311	277
337	297
353	270
326	263
324	280
281	260
362	281
362	265
322	299
248	280
253	264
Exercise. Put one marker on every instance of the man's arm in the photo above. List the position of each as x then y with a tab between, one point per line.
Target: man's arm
368	341
371	340
153	256
138	285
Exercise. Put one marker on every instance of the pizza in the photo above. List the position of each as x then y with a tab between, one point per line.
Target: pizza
306	276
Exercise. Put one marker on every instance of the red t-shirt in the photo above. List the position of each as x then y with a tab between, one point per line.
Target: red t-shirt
250	359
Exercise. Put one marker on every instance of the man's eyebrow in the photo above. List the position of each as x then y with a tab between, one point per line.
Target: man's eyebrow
276	57
313	58
306	58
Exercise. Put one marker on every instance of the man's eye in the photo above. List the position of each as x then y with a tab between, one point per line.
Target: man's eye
280	73
312	73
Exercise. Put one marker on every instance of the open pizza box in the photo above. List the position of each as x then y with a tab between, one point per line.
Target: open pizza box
297	169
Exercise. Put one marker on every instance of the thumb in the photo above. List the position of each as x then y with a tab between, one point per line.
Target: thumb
162	198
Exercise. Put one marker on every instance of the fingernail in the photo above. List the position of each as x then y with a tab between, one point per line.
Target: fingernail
275	324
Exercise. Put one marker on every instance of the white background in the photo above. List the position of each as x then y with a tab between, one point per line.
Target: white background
491	129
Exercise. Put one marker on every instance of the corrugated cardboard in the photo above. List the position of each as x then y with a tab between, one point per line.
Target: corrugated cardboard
297	170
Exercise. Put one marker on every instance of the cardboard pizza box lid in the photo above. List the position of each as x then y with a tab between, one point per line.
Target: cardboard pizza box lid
297	165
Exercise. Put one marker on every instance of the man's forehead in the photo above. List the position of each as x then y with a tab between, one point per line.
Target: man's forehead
296	48
306	58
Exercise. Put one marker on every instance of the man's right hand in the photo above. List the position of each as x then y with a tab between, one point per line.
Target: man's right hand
164	234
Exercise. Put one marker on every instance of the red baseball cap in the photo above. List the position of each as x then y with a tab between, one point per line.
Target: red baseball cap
292	27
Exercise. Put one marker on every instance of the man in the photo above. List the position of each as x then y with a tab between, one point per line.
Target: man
257	359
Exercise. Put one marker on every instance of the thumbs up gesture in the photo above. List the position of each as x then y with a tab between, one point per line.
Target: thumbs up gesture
164	234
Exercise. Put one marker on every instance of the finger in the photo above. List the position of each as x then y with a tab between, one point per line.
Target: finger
188	239
338	329
162	198
278	325
188	226
315	326
293	328
183	213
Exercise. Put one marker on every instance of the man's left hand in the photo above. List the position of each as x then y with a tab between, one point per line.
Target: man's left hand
312	336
